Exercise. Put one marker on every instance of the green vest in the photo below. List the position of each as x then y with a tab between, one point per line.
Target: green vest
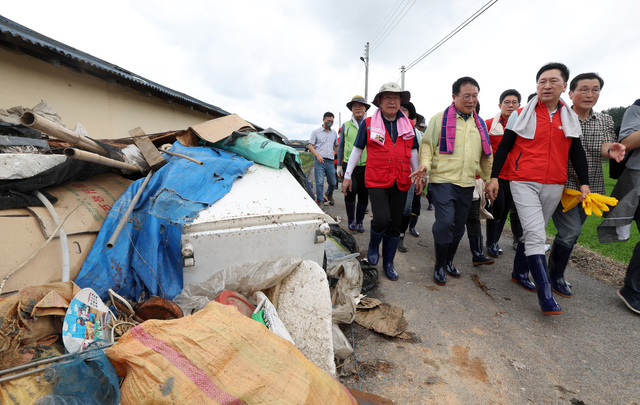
350	133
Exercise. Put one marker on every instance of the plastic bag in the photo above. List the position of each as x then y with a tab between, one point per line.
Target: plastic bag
347	290
245	279
89	378
336	253
270	316
369	276
341	346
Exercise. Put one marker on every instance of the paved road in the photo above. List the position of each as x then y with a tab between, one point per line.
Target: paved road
472	347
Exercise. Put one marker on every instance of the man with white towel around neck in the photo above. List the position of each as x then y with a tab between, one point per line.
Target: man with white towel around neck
539	140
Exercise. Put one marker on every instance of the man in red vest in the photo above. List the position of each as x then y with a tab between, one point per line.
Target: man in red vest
538	141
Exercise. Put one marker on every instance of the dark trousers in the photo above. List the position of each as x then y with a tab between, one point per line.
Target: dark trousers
409	211
503	203
452	204
387	205
500	209
357	185
473	219
632	277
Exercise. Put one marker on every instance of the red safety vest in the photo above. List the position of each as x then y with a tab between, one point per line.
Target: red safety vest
544	158
388	163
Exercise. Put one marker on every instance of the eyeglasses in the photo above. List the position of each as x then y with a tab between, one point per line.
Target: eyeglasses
468	97
516	102
553	82
585	90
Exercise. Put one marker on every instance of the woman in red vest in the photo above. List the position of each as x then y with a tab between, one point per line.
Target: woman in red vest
392	154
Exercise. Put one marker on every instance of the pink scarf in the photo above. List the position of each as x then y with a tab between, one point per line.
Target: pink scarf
378	130
448	131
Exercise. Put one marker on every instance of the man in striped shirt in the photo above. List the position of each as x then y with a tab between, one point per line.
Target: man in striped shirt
599	141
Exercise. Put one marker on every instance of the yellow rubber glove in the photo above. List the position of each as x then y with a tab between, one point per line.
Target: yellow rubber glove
570	198
600	203
594	203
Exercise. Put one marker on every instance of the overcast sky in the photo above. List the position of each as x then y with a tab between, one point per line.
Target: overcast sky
282	64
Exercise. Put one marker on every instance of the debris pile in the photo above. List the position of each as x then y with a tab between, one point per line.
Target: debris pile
152	269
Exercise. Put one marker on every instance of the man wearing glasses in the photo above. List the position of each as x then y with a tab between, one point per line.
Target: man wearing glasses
539	140
509	102
598	141
454	149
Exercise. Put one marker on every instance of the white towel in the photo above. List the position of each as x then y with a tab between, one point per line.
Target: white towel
525	125
496	127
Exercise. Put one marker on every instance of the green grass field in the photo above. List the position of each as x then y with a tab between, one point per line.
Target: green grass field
307	160
589	236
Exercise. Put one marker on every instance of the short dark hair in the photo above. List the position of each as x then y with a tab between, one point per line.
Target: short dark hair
564	70
510	92
532	95
328	114
463	80
585	76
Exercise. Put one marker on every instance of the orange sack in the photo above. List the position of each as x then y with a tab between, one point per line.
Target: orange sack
217	356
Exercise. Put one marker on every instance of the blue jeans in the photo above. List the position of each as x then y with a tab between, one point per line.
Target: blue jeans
320	170
568	224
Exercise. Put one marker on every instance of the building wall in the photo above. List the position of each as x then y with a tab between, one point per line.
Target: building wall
106	110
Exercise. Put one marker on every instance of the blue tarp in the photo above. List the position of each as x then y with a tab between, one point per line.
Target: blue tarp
146	258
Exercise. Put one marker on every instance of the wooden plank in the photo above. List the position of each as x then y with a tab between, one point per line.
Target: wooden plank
150	152
137	131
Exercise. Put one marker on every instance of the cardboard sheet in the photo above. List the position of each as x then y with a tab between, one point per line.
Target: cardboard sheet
96	195
220	128
21	237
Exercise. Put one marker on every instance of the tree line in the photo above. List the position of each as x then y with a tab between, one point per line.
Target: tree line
616	113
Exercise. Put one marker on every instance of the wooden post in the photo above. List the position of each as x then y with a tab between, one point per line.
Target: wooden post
150	153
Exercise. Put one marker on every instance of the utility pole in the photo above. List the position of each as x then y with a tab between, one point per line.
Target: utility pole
402	70
365	59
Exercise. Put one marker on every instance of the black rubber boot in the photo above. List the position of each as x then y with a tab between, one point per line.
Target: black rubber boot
520	272
475	243
493	237
558	260
630	293
361	210
439	270
389	246
451	269
373	255
350	206
538	268
401	246
412	224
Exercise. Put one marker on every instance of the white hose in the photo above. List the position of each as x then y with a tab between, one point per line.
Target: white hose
64	242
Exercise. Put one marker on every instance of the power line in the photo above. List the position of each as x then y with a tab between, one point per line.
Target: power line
386	21
398	22
452	33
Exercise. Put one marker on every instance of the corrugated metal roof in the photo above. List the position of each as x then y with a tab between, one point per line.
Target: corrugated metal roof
55	52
